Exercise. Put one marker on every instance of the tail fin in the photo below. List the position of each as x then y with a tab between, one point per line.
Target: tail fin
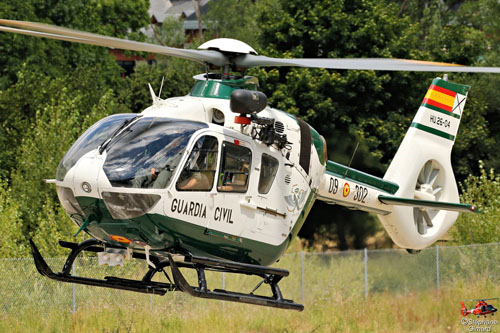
422	168
464	309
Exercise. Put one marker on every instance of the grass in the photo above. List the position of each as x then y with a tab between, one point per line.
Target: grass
402	296
425	311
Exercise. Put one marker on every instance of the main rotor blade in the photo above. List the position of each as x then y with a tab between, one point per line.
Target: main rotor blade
245	61
46	35
60	33
381	64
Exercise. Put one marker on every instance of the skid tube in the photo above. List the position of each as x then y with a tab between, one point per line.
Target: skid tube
269	275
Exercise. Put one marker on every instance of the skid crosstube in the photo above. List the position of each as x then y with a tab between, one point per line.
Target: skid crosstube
269	275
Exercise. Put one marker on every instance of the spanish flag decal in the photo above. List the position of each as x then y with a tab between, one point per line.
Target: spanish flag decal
439	97
442	97
441	109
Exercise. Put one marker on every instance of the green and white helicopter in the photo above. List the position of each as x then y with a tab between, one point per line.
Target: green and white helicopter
218	180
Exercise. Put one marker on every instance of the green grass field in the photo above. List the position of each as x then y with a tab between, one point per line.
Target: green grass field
424	311
402	296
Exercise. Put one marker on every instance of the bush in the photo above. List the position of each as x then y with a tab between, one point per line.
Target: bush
484	192
30	208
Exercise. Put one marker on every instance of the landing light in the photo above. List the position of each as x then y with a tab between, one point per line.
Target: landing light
120	239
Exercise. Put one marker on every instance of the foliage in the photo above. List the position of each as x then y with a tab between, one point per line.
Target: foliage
12	239
176	75
170	33
56	126
484	192
347	230
346	106
376	108
233	19
53	58
32	92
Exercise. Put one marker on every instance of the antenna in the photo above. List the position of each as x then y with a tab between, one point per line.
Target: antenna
161	86
352	157
153	96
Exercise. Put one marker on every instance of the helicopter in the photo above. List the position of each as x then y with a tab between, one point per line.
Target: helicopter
220	181
481	309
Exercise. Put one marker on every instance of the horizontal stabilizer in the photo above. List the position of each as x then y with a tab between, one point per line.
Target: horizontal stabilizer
457	207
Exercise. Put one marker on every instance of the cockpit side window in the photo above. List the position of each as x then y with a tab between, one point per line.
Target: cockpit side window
268	170
235	168
199	171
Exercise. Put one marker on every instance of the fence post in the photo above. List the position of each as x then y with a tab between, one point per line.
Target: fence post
223	288
151	303
74	288
302	275
437	267
366	272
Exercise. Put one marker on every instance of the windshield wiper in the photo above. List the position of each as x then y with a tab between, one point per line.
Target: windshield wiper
115	132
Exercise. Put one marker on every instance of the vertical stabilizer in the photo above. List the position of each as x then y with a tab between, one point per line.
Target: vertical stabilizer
422	167
464	309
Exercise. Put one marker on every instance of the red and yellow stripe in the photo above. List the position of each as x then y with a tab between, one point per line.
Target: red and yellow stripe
440	97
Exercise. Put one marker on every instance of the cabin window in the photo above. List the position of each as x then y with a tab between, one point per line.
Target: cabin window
199	171
268	170
235	168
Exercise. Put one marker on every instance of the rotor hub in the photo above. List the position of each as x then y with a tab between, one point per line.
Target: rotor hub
426	192
227	45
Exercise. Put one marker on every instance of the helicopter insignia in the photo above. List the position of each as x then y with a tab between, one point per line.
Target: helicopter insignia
296	199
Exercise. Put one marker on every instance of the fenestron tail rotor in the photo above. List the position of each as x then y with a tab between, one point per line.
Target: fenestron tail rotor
428	187
235	54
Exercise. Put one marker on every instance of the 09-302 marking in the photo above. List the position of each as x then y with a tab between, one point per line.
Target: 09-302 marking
360	192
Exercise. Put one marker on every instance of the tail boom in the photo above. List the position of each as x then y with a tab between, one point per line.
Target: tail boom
417	200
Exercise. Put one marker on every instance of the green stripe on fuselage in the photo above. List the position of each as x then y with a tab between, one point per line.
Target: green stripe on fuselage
162	232
342	171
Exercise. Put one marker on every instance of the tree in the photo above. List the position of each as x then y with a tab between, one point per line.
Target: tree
27	202
50	57
29	64
233	19
374	108
336	103
484	192
177	81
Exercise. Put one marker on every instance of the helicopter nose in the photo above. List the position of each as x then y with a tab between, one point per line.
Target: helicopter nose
85	179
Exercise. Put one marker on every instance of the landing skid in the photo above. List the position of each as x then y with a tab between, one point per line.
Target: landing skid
270	276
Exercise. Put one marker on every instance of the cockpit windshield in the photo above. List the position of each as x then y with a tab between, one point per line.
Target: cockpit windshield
146	154
90	140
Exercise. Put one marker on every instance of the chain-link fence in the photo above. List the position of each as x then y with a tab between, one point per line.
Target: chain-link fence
313	277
